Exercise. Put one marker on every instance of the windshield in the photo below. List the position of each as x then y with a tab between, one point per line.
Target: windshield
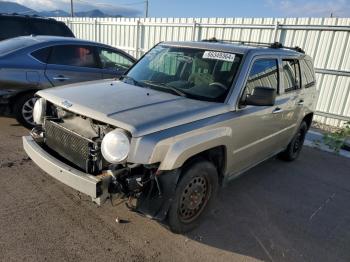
193	73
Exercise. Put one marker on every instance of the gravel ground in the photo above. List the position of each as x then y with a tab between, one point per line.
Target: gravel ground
276	212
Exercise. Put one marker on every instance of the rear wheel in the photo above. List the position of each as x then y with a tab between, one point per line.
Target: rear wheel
194	194
23	109
293	150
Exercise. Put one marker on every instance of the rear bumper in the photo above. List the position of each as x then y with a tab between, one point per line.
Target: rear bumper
94	186
6	95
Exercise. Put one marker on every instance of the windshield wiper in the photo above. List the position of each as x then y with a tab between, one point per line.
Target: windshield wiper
165	86
134	82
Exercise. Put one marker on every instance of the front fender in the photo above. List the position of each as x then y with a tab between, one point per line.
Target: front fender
179	149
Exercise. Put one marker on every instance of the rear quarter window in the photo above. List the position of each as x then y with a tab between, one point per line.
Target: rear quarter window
42	54
307	73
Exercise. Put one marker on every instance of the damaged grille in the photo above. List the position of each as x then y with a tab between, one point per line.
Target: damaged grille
72	146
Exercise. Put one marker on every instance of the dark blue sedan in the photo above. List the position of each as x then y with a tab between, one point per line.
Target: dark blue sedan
31	63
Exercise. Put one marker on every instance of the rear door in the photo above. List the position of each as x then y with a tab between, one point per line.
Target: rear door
113	63
69	64
292	94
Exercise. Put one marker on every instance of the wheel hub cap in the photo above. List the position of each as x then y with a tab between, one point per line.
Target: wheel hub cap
27	110
193	199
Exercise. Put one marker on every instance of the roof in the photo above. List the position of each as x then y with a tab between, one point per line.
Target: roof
238	48
42	39
28	17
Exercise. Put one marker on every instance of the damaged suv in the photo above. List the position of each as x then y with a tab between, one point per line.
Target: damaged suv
186	118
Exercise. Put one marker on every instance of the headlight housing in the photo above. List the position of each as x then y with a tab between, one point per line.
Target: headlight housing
39	111
115	146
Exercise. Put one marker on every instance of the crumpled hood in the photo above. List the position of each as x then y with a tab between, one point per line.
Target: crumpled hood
139	110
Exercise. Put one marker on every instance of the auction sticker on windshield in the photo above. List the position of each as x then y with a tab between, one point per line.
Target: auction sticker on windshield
219	56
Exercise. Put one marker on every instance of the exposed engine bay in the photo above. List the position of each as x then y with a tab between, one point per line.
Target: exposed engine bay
76	140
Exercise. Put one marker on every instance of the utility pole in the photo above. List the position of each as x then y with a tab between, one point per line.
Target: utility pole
146	11
71	8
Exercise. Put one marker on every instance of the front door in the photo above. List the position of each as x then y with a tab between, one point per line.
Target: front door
259	131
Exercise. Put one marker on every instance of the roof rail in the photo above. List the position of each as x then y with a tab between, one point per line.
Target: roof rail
275	45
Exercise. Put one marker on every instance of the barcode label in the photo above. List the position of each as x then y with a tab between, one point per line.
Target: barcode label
219	56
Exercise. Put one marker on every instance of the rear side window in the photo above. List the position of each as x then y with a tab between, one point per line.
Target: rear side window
307	73
291	75
73	55
42	54
264	73
12	28
40	27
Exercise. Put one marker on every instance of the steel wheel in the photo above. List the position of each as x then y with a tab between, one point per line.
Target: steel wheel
27	111
294	147
194	198
298	142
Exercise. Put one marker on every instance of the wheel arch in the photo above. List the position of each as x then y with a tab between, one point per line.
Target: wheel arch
13	99
206	143
308	119
216	155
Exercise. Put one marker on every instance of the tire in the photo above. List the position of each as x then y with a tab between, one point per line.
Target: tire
23	109
294	147
194	195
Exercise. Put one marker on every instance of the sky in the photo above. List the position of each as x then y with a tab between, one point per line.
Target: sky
203	8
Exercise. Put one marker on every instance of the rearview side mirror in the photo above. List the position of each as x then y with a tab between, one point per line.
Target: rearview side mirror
261	96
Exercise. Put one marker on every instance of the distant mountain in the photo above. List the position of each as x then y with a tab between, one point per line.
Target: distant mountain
91	13
54	13
11	7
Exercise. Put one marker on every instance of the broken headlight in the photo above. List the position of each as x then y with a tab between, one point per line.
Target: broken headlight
115	146
39	111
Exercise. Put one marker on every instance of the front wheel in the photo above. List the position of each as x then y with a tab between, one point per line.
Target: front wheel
23	109
194	194
294	147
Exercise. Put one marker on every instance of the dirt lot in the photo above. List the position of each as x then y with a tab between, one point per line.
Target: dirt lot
276	212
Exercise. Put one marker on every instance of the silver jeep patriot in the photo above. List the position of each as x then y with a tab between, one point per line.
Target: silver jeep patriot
186	118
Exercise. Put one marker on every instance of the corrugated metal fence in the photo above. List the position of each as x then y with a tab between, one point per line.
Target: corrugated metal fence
324	39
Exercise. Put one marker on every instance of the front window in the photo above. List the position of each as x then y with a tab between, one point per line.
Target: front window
193	73
113	60
264	73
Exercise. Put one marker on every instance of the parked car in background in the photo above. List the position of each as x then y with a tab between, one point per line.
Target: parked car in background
187	117
31	63
13	25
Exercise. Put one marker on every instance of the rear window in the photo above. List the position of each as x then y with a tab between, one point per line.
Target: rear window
12	28
50	28
13	44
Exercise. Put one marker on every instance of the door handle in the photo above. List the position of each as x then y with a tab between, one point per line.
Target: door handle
60	78
301	102
277	110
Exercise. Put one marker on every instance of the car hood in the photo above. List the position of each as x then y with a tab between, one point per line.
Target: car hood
139	110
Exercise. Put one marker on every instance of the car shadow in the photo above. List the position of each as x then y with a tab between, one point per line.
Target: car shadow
281	211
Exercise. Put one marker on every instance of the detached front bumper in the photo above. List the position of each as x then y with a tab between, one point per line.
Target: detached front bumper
94	186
